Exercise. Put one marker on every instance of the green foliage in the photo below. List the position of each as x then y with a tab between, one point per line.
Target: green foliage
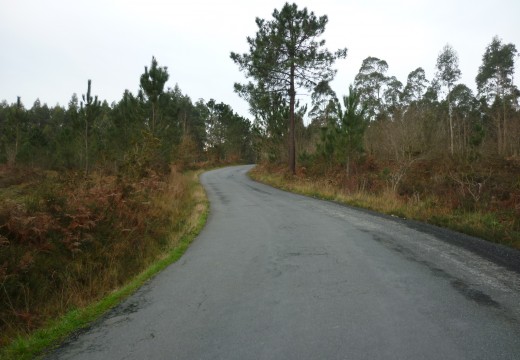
14	127
343	136
393	95
306	159
495	75
467	116
91	134
448	71
286	43
90	109
415	86
141	158
186	154
370	82
499	96
287	54
353	122
228	134
152	81
269	131
152	84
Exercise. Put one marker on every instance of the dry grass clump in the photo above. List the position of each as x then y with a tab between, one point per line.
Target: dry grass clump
66	240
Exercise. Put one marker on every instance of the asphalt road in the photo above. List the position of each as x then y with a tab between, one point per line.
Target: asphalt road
280	276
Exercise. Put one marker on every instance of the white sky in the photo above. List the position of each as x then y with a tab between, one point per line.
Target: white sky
50	48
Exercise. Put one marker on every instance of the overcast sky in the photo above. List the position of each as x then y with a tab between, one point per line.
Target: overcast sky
50	48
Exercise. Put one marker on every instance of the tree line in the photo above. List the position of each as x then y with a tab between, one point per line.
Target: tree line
380	116
150	129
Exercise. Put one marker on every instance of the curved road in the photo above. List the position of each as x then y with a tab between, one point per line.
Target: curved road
280	276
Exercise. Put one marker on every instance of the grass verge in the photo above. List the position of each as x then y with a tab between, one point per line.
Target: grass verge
493	226
183	232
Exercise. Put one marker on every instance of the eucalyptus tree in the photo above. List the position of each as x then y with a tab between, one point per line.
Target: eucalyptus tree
431	95
370	83
415	87
323	100
392	95
465	110
287	54
495	84
448	73
152	84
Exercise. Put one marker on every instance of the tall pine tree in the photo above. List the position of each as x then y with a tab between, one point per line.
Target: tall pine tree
286	54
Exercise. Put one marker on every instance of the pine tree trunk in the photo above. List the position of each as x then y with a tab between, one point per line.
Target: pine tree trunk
292	141
499	134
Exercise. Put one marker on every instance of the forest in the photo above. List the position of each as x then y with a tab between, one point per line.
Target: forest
91	192
157	126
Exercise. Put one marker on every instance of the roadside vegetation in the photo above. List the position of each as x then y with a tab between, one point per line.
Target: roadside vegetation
425	149
448	203
92	194
67	266
96	198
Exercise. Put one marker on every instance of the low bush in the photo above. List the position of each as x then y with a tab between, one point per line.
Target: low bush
66	240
